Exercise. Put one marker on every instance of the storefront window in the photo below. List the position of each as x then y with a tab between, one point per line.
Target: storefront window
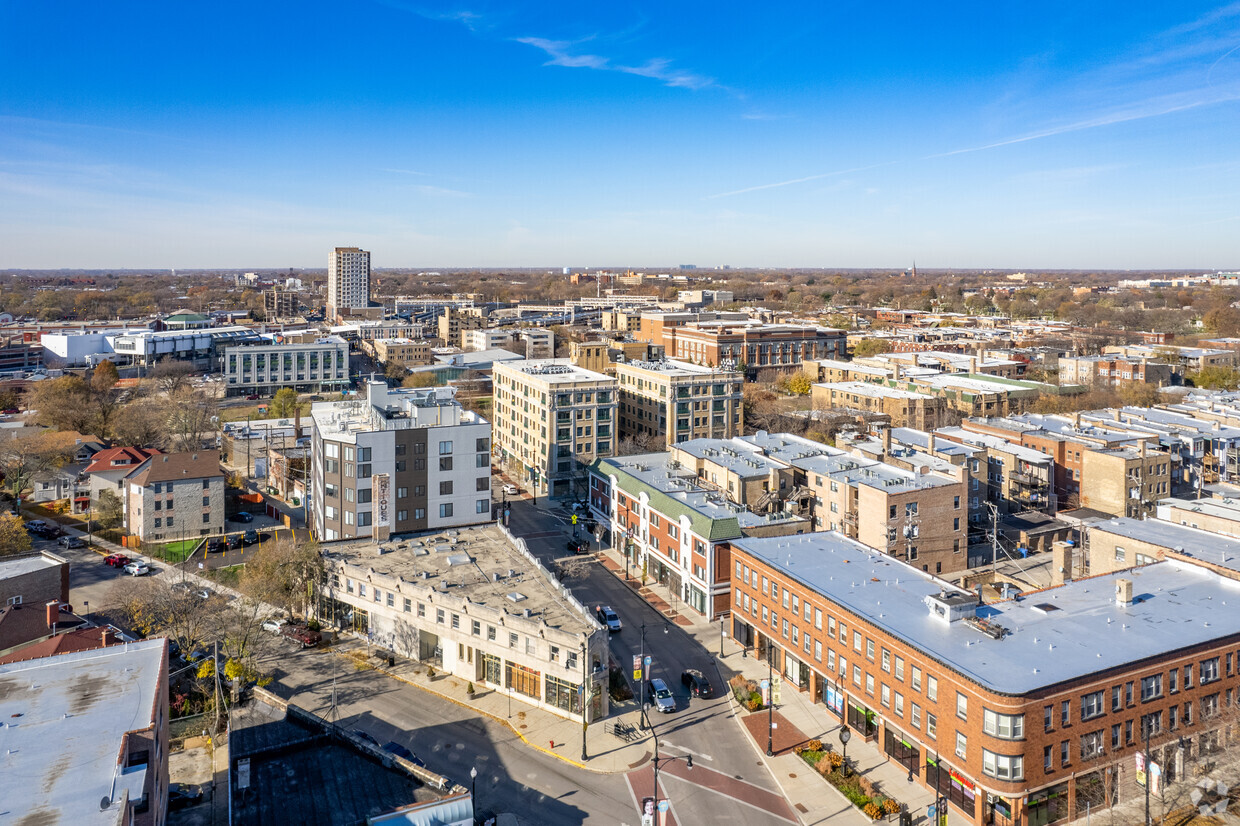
521	679
563	695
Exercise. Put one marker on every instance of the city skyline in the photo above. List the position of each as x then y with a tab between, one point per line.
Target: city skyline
547	135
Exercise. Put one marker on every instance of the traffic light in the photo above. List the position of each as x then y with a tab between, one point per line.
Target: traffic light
574	519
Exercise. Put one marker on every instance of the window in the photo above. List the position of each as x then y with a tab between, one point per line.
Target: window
899	668
445	510
483	506
857	643
1065	713
962	745
869	649
886	660
1047	758
1173	679
869	683
1092	706
1209	668
439	615
1065	752
445	488
445	448
1151	687
1005	726
1048	718
1116	699
932	726
915	716
916	678
932	688
408	605
962	706
1092	745
1002	766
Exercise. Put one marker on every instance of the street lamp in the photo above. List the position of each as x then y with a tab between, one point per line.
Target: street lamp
845	736
584	698
473	798
722	634
770	706
688	758
645	675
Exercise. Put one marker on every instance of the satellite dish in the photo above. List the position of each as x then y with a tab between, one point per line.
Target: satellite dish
104	803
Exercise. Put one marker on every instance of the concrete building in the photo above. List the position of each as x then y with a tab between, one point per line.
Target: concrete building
1022	711
33	579
484	339
1218	516
552	420
403	352
319	367
175	496
591	355
398	461
478	605
1188	358
539	343
454	323
678	401
281	305
905	408
107	709
348	281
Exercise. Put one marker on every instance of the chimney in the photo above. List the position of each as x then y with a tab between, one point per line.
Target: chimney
980	601
1076	420
1123	592
1061	563
932	444
886	440
103	637
53	614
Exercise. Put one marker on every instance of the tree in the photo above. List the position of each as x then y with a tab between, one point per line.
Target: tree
105	377
1216	378
800	384
13	537
284	404
395	372
639	443
281	573
191	418
172	376
144	423
871	347
9	400
63	404
423	379
1222	321
24	458
110	511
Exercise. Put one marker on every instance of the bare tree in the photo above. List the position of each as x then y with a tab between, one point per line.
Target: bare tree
283	572
24	458
172	376
191	418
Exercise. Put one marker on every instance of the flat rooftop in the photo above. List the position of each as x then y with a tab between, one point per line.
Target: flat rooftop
680	369
554	371
1053	636
13	566
737	455
299	772
1206	546
877	391
84	703
464	559
813	457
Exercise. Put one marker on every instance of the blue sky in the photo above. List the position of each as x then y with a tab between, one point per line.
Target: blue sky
1051	134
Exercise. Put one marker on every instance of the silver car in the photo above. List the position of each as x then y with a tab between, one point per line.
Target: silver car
660	696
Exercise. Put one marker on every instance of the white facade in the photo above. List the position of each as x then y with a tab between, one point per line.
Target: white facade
348	279
323	365
475	340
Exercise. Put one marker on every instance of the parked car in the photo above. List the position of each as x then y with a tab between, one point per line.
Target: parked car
392	747
608	618
660	696
236	540
512	490
303	635
217	544
136	568
116	560
578	546
249	537
181	796
71	542
697	683
273	625
241	516
252	397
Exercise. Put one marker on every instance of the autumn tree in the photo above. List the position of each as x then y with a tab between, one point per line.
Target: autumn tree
282	572
284	404
24	458
422	379
110	511
143	423
800	384
104	377
13	537
871	347
64	404
1215	378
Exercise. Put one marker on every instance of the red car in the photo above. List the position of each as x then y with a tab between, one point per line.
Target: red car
116	560
301	634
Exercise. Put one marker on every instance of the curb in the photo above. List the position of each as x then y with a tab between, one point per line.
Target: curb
734	704
502	721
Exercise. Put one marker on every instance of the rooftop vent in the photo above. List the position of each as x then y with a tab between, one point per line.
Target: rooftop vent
515	596
459	559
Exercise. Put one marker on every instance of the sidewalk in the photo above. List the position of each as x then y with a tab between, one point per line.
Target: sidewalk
557	736
815	800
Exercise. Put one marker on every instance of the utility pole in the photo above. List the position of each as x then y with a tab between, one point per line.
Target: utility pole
994	536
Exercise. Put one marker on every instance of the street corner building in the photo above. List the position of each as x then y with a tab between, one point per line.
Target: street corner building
1028	710
476	604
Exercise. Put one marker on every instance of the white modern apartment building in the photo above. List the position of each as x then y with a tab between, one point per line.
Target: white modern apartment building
320	366
475	340
398	461
348	280
553	419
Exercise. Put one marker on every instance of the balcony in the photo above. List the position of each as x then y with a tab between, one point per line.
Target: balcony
1028	480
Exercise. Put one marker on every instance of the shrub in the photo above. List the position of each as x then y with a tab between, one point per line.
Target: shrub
313	625
872	811
866	785
814	745
835	759
430	671
469	689
890	806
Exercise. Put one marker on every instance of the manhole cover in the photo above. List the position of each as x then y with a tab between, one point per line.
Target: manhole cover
792	774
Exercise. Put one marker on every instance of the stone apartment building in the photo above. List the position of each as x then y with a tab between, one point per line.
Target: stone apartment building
108	468
453	323
552	420
1017	478
175	496
1022	711
904	408
281	305
591	355
476	604
752	346
404	352
398	461
678	401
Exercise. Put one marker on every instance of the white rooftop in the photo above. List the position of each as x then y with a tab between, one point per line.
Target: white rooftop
62	719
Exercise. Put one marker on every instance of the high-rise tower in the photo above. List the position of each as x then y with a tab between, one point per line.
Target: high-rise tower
348	281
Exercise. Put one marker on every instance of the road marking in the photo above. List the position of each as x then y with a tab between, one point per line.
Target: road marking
696	754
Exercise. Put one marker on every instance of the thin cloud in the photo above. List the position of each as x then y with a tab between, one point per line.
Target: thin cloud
406	172
559	53
806	179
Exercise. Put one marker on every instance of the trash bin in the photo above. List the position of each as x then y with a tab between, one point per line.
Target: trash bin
391	661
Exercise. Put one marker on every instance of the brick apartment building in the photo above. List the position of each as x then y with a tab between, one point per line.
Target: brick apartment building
1024	711
904	408
754	345
679	401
